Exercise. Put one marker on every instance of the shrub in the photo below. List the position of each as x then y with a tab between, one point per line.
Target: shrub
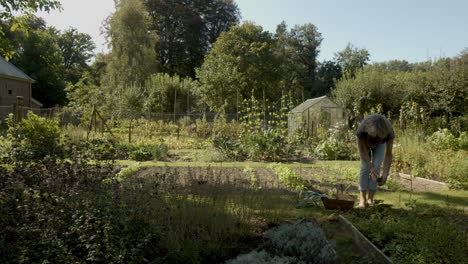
287	176
424	234
333	149
141	155
292	244
145	151
444	139
34	138
141	151
228	147
203	127
412	156
264	144
463	141
305	241
101	149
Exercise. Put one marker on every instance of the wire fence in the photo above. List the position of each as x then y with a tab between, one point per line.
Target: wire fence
22	111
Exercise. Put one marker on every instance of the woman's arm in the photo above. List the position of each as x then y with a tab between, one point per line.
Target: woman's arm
364	153
388	160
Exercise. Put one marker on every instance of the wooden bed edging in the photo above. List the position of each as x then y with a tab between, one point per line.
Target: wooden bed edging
364	243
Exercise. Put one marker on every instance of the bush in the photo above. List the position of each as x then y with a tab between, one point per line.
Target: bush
264	144
424	234
444	139
34	138
292	244
287	176
332	149
141	155
228	147
428	160
101	149
141	151
305	241
145	151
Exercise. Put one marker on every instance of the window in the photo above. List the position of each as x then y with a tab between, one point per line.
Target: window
10	92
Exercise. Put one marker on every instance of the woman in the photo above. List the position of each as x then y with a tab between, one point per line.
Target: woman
375	141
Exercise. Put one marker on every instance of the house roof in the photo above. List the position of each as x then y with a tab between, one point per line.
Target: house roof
307	104
10	71
37	102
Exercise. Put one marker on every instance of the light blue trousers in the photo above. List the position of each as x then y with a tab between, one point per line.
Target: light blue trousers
365	181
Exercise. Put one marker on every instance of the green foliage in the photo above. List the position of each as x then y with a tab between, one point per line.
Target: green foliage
240	63
444	139
287	176
132	57
74	211
422	158
419	235
266	144
166	93
351	59
34	138
141	154
124	174
77	49
300	243
144	151
101	149
438	91
11	8
203	127
338	143
369	88
304	241
228	147
332	149
297	50
41	58
187	31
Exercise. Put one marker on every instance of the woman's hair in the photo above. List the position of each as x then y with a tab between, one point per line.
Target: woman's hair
377	129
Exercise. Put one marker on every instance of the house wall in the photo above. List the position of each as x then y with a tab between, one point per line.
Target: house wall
10	89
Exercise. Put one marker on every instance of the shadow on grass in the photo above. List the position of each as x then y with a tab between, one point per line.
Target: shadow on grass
446	198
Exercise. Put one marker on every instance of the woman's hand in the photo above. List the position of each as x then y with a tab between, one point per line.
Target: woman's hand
374	174
381	181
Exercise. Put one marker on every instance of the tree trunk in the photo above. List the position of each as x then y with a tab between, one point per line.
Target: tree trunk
130	131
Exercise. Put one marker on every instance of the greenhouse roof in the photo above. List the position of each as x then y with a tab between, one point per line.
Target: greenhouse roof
307	104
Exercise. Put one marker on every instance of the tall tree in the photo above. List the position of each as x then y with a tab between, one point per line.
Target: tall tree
352	58
305	40
187	29
394	65
10	9
298	50
328	72
241	62
77	49
132	57
41	58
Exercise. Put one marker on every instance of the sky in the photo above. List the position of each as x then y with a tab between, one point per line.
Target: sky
412	30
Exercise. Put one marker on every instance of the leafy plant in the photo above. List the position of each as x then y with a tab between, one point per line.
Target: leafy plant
287	176
444	139
34	138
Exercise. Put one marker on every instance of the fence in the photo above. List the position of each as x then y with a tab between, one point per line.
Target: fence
174	117
22	112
